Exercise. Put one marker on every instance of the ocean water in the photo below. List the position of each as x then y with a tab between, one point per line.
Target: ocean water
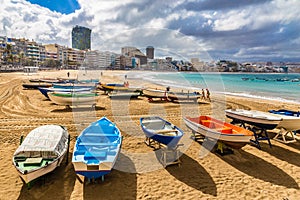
264	86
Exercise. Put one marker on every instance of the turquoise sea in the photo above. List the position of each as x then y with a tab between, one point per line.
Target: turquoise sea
283	87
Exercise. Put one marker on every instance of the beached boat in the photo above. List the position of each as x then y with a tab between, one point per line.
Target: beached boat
256	118
183	96
113	86
45	91
35	86
89	81
68	80
97	148
161	131
290	119
91	86
41	152
74	99
124	94
286	112
45	80
289	124
155	93
231	135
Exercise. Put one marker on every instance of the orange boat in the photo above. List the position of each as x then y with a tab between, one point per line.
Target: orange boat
231	135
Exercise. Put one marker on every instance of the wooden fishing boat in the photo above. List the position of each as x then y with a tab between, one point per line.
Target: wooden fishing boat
256	118
161	131
41	152
231	135
183	96
35	86
45	91
74	99
97	148
155	93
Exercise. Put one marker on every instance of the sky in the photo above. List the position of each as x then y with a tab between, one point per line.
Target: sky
237	30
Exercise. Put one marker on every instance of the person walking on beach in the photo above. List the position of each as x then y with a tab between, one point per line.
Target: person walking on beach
203	95
208	94
68	74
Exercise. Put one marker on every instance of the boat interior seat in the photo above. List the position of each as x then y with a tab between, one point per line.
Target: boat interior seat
77	153
214	125
99	135
208	123
224	129
154	124
96	154
96	144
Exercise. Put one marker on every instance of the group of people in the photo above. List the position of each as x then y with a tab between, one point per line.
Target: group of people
205	94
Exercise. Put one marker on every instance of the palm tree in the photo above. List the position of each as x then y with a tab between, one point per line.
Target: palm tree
7	53
21	58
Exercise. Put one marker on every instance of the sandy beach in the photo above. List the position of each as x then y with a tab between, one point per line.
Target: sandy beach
249	173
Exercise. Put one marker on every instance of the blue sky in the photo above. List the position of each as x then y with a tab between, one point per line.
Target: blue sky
238	30
62	6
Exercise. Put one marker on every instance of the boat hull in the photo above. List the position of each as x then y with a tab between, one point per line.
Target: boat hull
152	93
73	100
183	96
255	118
290	119
45	91
28	177
233	136
113	86
125	95
75	86
35	86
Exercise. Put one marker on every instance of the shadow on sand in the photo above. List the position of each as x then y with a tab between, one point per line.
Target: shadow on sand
259	168
58	184
194	175
282	154
77	109
295	145
124	183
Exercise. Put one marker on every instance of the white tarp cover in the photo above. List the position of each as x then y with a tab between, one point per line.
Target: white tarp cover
44	141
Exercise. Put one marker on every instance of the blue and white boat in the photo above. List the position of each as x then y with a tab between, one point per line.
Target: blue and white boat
161	131
289	125
91	86
96	149
286	112
290	119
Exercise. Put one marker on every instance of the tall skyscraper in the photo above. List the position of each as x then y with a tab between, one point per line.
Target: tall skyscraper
150	52
81	38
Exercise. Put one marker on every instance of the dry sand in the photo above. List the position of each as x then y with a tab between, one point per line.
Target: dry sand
249	173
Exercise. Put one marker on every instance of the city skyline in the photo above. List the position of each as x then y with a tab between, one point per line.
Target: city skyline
209	30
